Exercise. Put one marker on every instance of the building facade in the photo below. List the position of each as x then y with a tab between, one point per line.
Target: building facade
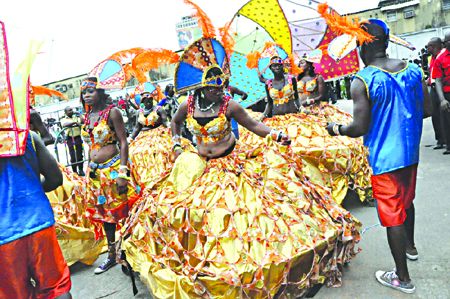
407	16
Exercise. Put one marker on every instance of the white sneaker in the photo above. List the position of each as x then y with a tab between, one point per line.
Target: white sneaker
390	279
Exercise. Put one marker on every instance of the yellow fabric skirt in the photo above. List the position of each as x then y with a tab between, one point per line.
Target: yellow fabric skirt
250	224
74	230
151	156
103	201
338	163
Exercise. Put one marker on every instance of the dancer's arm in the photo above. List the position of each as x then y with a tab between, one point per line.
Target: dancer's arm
361	113
269	106
119	128
48	167
137	130
321	89
176	125
296	98
243	118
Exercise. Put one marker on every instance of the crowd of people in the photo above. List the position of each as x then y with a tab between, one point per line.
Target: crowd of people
203	208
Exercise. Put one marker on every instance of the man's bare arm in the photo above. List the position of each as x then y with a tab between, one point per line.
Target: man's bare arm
48	166
361	111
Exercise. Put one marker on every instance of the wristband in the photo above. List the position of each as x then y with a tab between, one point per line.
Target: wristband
276	135
176	139
123	170
176	147
309	101
123	176
336	129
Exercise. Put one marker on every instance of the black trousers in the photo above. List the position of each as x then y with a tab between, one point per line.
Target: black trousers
75	146
445	121
436	116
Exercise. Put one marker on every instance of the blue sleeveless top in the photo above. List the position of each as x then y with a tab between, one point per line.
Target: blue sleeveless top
395	129
24	207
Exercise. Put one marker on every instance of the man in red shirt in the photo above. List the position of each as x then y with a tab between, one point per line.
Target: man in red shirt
435	48
441	73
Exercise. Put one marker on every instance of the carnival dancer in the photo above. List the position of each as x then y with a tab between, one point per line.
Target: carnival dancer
148	152
170	102
28	245
282	94
336	163
390	101
310	86
111	191
150	116
233	220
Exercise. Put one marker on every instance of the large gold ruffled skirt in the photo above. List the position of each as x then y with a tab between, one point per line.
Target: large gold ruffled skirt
74	230
151	156
338	163
246	225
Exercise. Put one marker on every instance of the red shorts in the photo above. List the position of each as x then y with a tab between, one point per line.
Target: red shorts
38	257
394	192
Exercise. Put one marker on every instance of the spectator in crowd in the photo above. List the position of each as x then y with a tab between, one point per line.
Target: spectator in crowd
441	73
435	48
72	122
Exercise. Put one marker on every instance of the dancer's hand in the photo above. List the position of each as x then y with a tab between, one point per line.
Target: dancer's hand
122	186
285	139
308	102
177	152
333	129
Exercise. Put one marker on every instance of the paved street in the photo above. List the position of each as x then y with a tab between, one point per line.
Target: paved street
430	273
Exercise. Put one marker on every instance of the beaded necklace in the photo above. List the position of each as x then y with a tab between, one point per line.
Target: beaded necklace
101	115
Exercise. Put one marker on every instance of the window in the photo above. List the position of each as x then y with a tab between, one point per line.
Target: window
445	4
409	13
391	16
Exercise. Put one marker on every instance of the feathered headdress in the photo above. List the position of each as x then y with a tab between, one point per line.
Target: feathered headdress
151	59
342	25
125	58
197	60
203	20
44	91
227	38
262	60
110	75
148	87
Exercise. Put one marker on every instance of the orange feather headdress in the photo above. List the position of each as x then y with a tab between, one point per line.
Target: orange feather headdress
342	25
203	20
227	38
41	91
151	59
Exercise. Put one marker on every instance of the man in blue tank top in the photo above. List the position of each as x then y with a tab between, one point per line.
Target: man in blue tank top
29	249
390	101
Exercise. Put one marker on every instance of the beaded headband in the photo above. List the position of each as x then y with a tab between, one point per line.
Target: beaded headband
88	84
215	81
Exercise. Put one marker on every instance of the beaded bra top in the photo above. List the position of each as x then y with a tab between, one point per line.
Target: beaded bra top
282	96
213	131
149	120
307	87
101	134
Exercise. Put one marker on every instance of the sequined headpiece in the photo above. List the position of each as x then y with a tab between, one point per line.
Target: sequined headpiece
198	58
88	84
148	87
